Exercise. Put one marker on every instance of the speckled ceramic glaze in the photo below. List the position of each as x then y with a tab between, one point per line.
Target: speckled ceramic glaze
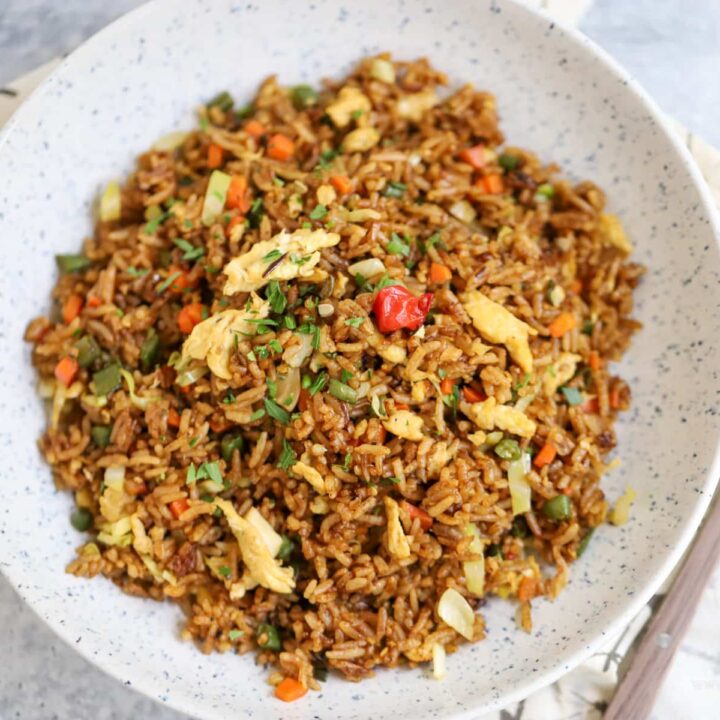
141	78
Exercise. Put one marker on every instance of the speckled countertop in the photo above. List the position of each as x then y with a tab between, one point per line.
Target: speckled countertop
673	53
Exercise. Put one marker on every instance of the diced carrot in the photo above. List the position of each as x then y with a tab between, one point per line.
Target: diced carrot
173	419
563	323
290	689
576	286
219	426
472	395
136	487
401	406
341	183
190	316
382	435
254	128
183	281
178	507
594	360
66	370
214	156
614	398
447	386
93	301
237	195
71	308
280	147
491	184
439	273
591	406
234	222
304	400
415	512
474	156
545	456
527	589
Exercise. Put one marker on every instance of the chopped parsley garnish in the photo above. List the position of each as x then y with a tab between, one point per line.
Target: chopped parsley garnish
311	329
190	252
300	260
398	245
287	456
306	225
165	284
319	212
394	189
276	412
276	297
392	480
355	322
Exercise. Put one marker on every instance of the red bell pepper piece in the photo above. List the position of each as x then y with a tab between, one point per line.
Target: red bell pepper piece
396	307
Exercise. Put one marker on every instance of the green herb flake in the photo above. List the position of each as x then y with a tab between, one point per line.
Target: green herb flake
191	475
287	456
276	411
317	384
319	212
165	284
224	571
275	346
326	158
304	96
394	190
223	101
257	415
347	461
190	252
355	322
72	263
136	272
398	245
290	322
345	375
272	387
152	226
272	256
234	635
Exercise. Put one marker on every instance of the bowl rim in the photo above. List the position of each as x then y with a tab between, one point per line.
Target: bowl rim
186	705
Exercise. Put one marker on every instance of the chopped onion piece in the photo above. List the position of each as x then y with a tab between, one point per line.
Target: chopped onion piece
114	477
463	211
272	540
621	512
383	70
297	354
141	403
439	665
455	610
288	389
325	309
46	388
215	196
525	402
475	569
171	141
367	268
191	375
111	202
520	491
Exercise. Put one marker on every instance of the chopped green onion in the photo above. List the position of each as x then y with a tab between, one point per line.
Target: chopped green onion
88	351
508	162
355	322
582	547
287	456
508	449
394	189
276	297
100	435
268	637
272	256
317	384
155	222
168	281
224	570
558	508
545	191
289	321
136	272
215	196
275	345
276	412
254	215
72	263
572	395
326	157
107	379
319	212
346	375
272	387
347	460
234	635
257	414
520	491
342	391
149	350
386	281
223	101
190	252
229	444
588	327
398	245
303	96
286	548
81	519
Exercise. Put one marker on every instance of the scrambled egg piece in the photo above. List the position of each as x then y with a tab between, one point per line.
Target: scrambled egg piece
613	233
141	542
559	373
361	139
350	100
260	564
488	415
499	325
621	512
413	107
283	257
405	424
310	474
438	458
392	353
213	339
398	543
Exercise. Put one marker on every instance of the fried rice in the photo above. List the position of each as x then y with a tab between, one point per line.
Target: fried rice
334	368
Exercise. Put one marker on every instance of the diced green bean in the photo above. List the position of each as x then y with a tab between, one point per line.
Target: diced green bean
107	379
558	508
149	350
268	637
88	351
582	547
101	435
72	263
81	519
508	449
229	444
342	391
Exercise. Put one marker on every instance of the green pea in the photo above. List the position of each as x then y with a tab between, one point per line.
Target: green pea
508	449
149	350
268	637
107	379
88	351
72	263
508	161
303	96
286	548
558	508
229	444
101	435
81	519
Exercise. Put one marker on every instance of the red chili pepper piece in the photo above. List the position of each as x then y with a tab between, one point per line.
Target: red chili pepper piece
396	307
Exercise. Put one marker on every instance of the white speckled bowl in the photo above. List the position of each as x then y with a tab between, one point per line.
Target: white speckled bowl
558	94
